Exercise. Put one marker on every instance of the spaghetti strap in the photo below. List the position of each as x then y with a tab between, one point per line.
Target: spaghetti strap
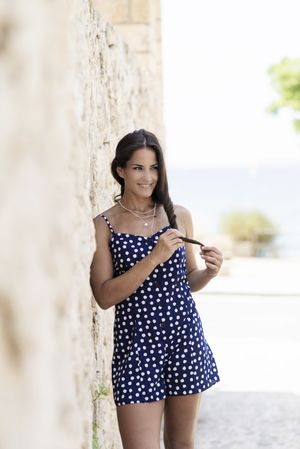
108	223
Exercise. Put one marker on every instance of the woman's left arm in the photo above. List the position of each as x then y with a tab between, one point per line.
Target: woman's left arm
212	256
213	260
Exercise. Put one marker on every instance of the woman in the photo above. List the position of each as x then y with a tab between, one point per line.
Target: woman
161	361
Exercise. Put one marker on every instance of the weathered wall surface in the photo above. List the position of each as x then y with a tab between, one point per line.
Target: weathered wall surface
69	90
138	22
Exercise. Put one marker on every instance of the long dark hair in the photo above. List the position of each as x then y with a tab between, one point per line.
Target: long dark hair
126	147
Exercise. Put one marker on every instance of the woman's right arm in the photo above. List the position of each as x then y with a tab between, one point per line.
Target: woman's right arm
109	291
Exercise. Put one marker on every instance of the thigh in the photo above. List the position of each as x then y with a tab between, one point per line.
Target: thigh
180	418
139	424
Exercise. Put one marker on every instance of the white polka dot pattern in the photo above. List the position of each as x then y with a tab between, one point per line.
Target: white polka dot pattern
159	346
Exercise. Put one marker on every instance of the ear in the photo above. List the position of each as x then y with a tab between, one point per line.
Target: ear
120	171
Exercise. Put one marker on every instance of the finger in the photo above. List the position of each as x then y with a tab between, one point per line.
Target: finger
218	256
178	242
175	239
212	258
212	264
212	267
211	248
174	231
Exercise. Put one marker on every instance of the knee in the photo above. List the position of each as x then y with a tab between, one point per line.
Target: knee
178	444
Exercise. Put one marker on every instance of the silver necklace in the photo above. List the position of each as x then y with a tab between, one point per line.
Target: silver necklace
144	213
137	216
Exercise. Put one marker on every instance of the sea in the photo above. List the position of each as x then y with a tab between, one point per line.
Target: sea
210	193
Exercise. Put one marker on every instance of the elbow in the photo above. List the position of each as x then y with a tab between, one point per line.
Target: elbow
102	303
100	300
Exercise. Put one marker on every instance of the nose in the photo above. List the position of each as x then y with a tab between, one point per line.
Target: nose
147	176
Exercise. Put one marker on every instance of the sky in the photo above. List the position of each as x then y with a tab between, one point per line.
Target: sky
216	55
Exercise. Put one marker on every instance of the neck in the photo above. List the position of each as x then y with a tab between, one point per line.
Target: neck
137	204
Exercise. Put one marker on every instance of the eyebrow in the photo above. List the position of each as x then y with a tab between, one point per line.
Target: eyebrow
140	165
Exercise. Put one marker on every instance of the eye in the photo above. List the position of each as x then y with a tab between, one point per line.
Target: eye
137	168
155	168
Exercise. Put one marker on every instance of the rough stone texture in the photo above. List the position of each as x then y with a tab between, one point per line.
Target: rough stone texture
138	36
114	11
141	30
140	10
69	90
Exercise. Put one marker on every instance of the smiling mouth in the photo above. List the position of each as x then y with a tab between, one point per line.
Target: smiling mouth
145	186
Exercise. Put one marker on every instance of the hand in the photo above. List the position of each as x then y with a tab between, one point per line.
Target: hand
166	245
213	259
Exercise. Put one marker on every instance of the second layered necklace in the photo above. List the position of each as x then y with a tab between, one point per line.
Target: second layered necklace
145	215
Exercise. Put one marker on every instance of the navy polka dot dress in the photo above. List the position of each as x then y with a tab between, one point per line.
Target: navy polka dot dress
159	346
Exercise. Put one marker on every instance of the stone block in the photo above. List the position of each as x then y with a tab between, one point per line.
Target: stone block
144	59
136	36
114	11
140	11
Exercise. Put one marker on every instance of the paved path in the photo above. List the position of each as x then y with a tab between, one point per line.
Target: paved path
256	341
249	420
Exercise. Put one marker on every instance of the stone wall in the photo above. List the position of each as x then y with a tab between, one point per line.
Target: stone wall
69	88
138	22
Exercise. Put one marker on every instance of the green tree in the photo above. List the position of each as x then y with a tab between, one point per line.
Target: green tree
252	226
285	77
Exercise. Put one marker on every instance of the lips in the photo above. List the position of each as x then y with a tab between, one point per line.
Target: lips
145	186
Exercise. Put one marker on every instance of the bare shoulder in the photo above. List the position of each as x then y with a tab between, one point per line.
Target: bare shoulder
184	219
109	213
100	224
182	212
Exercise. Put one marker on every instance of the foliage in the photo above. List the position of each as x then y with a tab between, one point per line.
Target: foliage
286	80
95	443
100	393
248	226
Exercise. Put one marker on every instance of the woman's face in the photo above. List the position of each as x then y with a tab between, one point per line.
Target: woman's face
141	172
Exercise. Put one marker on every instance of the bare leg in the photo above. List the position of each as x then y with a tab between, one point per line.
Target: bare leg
180	420
139	425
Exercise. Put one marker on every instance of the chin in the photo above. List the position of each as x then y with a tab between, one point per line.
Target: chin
145	193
